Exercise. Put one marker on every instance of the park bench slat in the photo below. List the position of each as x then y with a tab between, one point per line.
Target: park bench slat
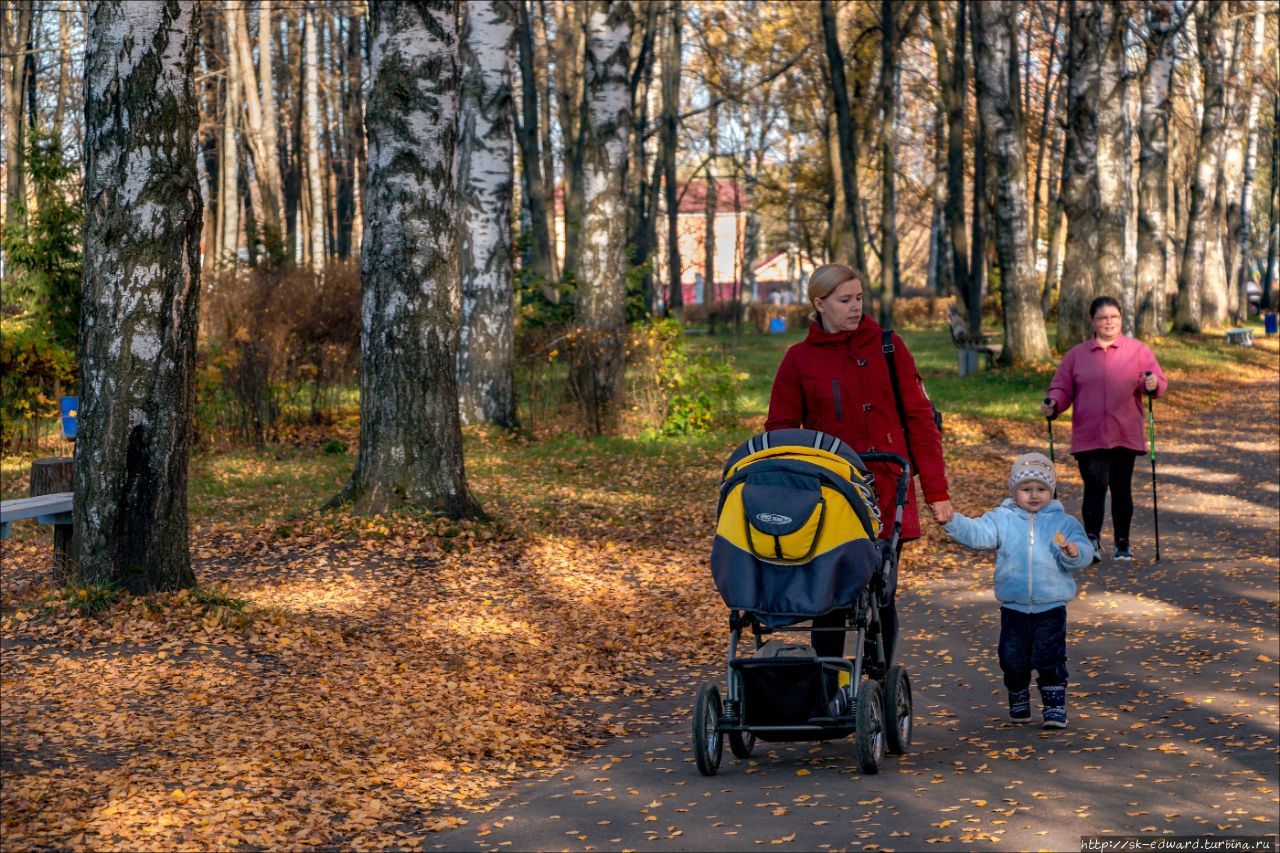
20	508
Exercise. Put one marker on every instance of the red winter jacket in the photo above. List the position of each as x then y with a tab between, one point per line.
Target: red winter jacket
839	384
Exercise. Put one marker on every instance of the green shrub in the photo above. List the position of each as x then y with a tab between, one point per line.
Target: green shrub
35	367
674	392
42	246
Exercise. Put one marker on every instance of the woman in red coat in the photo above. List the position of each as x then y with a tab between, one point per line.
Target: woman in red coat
837	381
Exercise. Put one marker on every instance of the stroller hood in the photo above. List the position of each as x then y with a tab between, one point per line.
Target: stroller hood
796	526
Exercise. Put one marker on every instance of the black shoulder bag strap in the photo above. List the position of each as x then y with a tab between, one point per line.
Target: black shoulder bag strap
886	346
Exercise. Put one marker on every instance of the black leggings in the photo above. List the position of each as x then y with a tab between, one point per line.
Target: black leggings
1102	470
830	644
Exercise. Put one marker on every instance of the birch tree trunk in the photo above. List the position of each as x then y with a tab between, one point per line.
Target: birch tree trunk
64	70
1213	51
266	165
997	89
15	32
667	145
951	82
710	202
1244	228
1221	254
410	437
485	174
1080	183
546	85
1114	169
601	309
1269	280
311	130
270	122
888	163
846	129
532	183
569	74
1153	173
141	296
229	154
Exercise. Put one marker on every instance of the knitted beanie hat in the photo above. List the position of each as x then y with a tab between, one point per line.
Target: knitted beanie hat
1032	466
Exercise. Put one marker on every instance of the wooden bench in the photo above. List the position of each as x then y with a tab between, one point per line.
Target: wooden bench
1243	337
52	509
50	502
969	345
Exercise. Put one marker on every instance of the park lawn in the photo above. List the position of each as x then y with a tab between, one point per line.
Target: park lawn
339	680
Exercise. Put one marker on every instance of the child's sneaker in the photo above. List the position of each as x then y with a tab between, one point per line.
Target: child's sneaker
1020	706
1054	699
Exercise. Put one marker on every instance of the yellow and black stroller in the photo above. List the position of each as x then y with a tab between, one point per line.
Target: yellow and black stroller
796	539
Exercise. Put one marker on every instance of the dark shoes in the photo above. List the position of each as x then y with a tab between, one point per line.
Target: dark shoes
1097	549
1123	553
1054	699
1020	706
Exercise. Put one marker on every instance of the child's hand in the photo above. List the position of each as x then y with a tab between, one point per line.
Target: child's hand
1071	549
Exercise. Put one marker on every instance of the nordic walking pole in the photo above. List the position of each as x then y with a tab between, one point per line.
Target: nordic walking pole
1155	504
1048	401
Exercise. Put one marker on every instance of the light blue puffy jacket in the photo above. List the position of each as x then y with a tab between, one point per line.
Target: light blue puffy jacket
1032	573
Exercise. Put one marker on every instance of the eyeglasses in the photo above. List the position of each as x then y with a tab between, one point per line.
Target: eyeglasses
1106	318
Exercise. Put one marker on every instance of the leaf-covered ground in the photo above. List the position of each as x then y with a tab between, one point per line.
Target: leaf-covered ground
387	676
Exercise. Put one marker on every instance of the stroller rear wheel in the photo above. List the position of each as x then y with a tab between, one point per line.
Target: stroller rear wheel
708	745
869	719
897	710
742	744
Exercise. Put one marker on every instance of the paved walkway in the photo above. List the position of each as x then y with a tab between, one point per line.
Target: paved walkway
1173	704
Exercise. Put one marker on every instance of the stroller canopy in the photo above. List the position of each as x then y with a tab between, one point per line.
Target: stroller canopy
796	526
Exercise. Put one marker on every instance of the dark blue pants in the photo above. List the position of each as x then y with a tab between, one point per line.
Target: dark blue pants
1033	641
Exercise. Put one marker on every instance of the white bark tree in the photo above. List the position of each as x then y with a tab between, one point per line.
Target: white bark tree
996	43
1244	227
1115	276
1080	180
141	296
229	155
596	372
1210	32
410	437
1153	172
485	175
311	131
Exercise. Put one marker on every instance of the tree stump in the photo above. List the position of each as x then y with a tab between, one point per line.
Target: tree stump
48	477
52	475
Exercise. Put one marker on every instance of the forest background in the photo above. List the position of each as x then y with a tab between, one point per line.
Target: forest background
1012	159
1133	127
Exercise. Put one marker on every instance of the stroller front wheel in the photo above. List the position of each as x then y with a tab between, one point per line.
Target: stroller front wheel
869	719
708	744
897	710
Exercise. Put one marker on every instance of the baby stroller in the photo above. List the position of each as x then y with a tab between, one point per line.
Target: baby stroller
796	538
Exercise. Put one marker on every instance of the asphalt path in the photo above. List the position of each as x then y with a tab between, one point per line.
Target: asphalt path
1173	704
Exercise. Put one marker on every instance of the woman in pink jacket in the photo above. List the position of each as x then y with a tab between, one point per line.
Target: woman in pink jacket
1105	378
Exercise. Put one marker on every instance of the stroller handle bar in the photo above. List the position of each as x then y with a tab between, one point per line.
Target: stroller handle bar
904	483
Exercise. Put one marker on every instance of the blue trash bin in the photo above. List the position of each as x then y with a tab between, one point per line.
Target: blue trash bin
1269	323
777	325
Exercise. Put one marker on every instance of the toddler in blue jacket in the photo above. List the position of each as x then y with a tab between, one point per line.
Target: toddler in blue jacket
1038	545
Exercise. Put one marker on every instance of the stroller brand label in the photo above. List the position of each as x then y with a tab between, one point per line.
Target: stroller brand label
771	518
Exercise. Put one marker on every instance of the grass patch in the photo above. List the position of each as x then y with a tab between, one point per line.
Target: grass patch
91	599
254	486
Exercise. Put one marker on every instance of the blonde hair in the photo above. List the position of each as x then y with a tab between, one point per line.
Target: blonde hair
825	279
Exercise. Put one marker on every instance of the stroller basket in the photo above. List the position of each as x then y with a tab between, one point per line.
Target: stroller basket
786	691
